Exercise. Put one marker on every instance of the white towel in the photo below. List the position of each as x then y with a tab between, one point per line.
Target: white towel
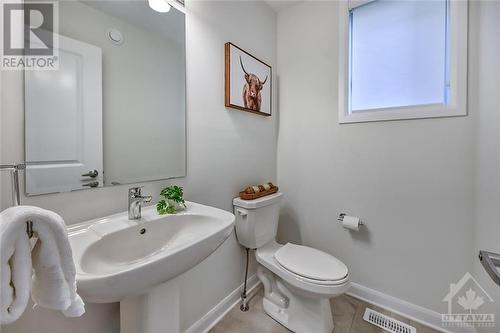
53	283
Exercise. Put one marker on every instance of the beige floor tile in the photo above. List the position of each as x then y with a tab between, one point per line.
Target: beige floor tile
343	308
344	305
422	328
253	321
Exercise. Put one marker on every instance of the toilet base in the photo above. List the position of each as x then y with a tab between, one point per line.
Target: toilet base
295	311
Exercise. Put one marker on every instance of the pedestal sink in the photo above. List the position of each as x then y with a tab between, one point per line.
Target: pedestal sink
136	262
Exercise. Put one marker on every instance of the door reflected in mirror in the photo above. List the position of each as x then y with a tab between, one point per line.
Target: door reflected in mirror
114	111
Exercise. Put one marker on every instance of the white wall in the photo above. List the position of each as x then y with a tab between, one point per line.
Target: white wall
227	149
485	72
411	181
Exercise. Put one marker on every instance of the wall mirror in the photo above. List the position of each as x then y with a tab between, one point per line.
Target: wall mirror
114	111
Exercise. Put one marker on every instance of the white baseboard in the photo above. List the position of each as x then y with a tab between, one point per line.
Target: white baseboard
398	306
209	320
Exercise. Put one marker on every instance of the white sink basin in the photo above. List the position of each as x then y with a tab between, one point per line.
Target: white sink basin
117	258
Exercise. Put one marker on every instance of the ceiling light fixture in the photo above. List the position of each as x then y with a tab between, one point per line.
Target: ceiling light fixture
160	6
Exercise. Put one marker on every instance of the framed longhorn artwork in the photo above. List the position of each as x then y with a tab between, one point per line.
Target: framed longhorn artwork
248	82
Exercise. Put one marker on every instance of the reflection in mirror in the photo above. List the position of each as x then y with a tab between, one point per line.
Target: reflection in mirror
114	111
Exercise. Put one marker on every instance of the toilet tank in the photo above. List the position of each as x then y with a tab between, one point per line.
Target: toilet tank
257	220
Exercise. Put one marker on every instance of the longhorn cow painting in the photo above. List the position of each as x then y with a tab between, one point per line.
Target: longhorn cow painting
248	82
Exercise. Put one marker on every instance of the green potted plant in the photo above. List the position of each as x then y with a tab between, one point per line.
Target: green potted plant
172	200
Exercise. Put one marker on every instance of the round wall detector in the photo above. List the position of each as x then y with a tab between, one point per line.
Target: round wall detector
115	36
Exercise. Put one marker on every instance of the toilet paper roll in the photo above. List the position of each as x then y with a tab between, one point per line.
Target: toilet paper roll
351	223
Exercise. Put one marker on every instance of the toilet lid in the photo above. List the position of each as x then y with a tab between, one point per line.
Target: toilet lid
310	263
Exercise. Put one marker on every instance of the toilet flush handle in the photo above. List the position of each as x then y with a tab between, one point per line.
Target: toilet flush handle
241	212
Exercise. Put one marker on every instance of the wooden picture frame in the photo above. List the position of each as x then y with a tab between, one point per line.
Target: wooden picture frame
245	87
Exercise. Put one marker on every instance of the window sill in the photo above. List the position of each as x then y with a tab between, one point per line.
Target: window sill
402	113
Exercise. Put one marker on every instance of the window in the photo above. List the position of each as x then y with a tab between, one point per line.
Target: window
402	59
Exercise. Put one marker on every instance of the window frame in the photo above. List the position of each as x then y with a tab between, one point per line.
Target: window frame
457	98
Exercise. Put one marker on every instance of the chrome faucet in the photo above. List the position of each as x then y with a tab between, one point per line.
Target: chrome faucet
135	200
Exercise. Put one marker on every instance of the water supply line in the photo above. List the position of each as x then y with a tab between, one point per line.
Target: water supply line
244	301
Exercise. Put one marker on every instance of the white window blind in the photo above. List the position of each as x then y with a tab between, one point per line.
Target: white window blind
398	54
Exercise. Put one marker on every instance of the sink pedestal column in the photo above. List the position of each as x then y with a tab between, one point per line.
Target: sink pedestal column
157	311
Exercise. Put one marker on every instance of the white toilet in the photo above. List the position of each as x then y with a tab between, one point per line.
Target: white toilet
298	280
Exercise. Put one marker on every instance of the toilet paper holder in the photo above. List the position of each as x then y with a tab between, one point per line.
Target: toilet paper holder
341	219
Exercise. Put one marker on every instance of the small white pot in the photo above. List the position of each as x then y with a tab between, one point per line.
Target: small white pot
178	206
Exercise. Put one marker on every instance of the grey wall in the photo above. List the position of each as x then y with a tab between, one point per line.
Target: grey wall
227	149
411	181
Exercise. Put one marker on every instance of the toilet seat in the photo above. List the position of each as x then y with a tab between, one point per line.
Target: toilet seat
311	264
313	288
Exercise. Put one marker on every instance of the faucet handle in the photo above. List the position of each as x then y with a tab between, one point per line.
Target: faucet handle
135	190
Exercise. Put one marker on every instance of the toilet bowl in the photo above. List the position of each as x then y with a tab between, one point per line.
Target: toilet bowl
298	280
